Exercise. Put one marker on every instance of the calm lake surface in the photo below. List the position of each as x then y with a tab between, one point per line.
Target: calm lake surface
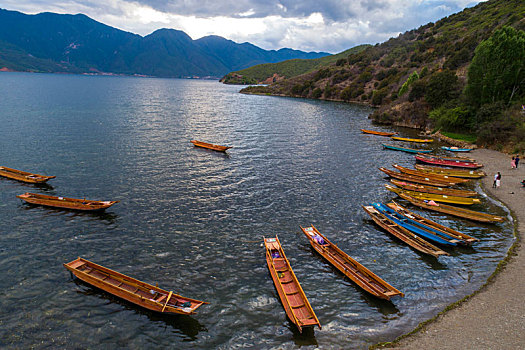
193	220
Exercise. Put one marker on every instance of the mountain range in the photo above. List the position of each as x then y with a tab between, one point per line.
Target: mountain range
50	42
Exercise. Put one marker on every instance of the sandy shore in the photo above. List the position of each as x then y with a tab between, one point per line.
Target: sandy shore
493	318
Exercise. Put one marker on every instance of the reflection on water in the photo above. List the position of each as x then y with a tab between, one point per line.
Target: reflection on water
192	220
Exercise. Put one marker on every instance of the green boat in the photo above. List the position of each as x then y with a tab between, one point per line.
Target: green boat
406	149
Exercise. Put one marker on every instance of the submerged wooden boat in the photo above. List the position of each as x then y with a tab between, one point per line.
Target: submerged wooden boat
380	133
406	149
456	149
211	146
410	186
23	175
446	162
403	234
362	276
411	140
417	179
292	296
465	239
464	173
435	197
415	227
128	288
439	177
64	202
451	210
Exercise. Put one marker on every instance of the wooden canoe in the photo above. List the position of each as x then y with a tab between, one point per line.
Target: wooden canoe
292	296
131	289
416	227
435	197
464	173
23	175
457	158
416	179
380	133
411	140
64	202
445	162
465	239
456	149
410	186
403	234
451	210
211	146
406	149
438	177
358	273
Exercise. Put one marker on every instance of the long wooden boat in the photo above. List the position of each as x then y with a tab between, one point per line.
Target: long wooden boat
416	227
445	162
411	140
465	239
403	234
438	177
464	173
406	149
23	175
64	202
457	158
410	186
380	133
451	210
211	146
435	197
140	293
416	179
292	296
352	269
456	149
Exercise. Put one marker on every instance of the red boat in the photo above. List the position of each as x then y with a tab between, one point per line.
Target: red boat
446	162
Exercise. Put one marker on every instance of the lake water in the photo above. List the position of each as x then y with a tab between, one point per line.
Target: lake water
193	220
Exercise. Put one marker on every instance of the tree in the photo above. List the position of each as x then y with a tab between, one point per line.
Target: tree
497	71
442	87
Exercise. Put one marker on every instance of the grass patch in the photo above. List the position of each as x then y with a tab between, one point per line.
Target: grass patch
462	137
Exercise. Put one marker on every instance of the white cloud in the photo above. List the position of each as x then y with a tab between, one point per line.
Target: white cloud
309	25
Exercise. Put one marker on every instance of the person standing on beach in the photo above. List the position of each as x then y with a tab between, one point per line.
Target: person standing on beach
513	163
498	179
495	179
517	160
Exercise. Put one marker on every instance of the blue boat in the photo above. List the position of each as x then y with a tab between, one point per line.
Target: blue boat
455	149
406	149
416	227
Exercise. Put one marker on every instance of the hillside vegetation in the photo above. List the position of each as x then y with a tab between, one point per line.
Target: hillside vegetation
286	69
421	78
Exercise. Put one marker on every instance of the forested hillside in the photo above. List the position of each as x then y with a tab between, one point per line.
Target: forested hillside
422	78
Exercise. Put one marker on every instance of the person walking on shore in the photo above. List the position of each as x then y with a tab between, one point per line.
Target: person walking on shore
517	160
498	179
513	163
495	179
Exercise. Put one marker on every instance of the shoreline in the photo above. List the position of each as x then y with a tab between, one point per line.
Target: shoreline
493	316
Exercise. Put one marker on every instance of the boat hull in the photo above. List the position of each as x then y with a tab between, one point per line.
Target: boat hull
65	203
432	189
406	149
417	179
211	146
438	177
411	140
379	133
463	173
352	269
449	163
435	197
137	292
24	176
403	234
291	294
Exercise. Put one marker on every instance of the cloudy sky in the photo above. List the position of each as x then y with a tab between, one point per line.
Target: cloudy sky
308	25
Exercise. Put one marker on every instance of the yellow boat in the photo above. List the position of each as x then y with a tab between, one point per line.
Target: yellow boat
435	197
464	173
410	140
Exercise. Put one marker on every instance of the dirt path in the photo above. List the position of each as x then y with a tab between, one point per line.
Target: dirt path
494	318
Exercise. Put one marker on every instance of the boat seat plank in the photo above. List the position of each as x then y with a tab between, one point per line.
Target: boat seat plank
162	297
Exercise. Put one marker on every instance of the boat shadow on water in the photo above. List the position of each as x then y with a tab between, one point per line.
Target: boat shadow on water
187	325
110	217
306	338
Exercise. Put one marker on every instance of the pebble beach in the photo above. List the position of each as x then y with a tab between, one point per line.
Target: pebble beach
494	316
